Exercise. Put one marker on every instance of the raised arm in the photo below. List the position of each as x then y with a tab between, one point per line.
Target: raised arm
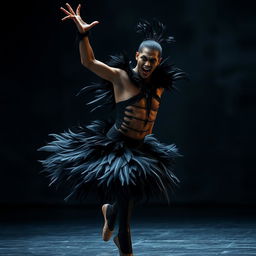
86	52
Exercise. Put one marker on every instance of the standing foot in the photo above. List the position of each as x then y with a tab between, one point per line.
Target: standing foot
116	241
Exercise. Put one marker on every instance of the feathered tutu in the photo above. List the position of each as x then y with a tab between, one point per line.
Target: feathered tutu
88	160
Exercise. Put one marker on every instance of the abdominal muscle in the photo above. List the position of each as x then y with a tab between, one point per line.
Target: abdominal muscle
124	89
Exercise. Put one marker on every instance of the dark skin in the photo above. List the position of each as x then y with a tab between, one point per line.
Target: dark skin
147	60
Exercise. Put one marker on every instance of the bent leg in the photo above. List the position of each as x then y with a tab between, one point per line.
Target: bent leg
111	215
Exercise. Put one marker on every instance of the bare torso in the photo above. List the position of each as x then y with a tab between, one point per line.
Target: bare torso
134	124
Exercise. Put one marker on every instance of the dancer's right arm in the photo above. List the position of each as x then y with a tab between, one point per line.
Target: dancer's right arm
96	66
86	52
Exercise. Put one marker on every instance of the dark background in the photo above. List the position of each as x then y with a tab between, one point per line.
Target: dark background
212	119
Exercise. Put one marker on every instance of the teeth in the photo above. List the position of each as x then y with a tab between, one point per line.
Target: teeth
146	69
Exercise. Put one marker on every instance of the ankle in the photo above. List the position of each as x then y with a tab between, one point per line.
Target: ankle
125	242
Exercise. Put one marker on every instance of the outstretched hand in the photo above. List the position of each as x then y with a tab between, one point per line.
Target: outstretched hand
75	16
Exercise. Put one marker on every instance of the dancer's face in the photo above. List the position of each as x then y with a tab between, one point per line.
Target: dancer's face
147	61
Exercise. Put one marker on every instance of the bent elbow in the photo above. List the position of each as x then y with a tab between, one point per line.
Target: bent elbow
87	63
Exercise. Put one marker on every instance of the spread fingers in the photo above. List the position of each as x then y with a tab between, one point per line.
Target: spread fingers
64	10
70	9
78	9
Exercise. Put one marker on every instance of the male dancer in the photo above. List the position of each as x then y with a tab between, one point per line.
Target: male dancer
135	126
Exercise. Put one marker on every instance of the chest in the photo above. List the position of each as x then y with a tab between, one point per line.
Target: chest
136	116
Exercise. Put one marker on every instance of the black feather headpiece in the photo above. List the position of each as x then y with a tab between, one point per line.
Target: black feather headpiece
154	30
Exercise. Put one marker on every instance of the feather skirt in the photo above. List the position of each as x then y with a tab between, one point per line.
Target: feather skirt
89	160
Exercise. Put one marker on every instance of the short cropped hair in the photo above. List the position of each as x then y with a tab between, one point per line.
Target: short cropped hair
151	44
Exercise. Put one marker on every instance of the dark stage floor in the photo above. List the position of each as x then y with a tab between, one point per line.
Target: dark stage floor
175	231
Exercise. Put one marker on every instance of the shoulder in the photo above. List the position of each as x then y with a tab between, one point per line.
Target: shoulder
159	91
123	67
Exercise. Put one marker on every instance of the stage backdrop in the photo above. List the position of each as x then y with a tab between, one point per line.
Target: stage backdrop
211	119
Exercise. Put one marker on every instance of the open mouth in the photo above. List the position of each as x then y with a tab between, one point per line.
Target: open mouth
146	70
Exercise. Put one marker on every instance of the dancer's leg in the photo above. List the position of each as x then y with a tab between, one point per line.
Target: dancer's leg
111	215
125	207
109	212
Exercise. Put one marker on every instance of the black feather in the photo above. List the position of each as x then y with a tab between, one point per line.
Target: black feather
88	160
154	30
165	75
